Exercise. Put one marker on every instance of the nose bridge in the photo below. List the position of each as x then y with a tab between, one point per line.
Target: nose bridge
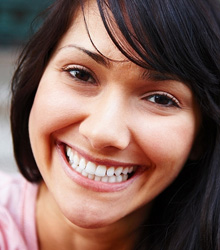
105	125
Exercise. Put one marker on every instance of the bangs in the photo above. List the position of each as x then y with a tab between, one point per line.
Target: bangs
169	36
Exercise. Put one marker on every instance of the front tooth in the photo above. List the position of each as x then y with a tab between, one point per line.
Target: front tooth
110	171
112	179
82	163
118	171
90	168
100	170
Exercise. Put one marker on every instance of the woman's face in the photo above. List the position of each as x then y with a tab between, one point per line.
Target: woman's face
108	136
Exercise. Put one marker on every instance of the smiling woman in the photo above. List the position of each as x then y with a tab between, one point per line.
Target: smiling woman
115	120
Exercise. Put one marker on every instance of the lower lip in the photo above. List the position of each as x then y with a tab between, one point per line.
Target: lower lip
96	186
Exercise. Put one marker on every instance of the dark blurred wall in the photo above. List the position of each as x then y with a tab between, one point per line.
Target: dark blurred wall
16	17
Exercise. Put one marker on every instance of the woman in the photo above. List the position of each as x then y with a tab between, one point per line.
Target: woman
115	114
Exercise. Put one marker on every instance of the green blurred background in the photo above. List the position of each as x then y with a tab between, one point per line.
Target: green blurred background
16	17
16	26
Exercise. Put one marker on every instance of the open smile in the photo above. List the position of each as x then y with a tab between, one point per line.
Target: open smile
97	172
98	175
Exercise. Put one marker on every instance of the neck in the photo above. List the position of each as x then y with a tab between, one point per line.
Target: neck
56	232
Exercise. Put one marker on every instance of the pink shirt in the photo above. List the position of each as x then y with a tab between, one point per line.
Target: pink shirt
17	213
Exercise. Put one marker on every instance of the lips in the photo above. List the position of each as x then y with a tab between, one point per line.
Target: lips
97	172
96	184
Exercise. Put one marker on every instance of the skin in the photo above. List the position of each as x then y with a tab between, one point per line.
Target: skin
112	116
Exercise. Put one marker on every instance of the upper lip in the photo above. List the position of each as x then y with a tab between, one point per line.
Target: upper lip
98	161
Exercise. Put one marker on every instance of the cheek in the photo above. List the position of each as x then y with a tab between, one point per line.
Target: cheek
166	143
167	140
54	109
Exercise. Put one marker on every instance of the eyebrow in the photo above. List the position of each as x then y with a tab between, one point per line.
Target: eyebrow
99	58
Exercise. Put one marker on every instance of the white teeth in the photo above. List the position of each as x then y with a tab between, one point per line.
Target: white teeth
125	170
97	173
97	178
118	171
124	177
78	170
84	173
71	157
73	165
82	163
76	160
68	151
90	168
110	171
119	178
130	170
112	179
100	170
91	176
104	179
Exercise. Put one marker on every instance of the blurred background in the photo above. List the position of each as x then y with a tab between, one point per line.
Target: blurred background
17	24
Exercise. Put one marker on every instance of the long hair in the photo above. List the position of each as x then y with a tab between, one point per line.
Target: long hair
175	37
181	38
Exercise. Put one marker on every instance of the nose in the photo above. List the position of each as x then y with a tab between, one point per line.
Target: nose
105	125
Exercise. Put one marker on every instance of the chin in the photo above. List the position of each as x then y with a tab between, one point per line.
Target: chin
88	222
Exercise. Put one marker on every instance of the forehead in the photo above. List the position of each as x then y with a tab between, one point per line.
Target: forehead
88	31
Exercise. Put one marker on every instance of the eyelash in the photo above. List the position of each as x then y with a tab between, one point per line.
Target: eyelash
81	70
91	80
172	101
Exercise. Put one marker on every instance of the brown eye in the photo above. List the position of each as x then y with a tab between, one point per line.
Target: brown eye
80	74
163	100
